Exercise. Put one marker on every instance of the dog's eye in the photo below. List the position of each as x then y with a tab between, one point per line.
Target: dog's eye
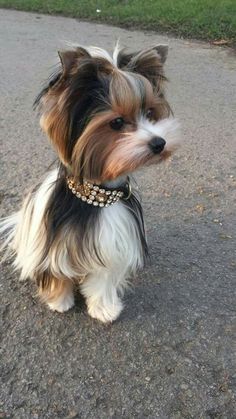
150	114
117	123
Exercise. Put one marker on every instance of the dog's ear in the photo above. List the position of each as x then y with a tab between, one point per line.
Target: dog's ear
162	51
71	58
148	63
125	59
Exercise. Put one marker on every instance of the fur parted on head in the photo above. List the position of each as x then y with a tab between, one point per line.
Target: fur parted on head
104	114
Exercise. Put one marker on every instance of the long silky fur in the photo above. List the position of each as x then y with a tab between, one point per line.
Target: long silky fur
57	234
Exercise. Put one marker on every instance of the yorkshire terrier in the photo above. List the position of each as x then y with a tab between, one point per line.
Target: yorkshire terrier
106	116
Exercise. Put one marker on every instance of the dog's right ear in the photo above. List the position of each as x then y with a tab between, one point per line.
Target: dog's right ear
69	59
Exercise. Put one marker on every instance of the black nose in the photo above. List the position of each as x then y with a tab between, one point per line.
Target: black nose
157	144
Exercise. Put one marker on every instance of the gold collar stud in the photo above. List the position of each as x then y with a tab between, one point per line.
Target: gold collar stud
94	195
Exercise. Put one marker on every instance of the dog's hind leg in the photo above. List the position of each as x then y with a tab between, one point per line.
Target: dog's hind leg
57	293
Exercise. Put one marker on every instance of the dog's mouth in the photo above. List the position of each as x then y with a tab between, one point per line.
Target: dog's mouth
165	154
170	149
161	157
154	159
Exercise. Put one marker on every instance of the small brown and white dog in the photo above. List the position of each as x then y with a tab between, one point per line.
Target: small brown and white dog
106	116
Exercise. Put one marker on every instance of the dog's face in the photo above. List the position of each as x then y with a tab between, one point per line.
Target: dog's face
108	116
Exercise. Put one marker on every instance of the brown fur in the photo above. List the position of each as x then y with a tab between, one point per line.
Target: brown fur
52	289
55	123
148	63
98	139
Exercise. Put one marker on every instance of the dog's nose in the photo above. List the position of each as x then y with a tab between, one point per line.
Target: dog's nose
157	144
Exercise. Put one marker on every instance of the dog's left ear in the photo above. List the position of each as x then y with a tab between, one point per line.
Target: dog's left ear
148	63
162	51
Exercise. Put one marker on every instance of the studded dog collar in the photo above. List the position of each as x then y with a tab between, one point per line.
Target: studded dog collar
96	195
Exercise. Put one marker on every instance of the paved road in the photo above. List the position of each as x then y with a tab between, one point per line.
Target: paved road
172	354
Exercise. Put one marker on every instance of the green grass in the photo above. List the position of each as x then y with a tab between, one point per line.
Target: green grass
202	19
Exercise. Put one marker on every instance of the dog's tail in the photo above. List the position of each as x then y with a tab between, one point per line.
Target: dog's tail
8	228
24	233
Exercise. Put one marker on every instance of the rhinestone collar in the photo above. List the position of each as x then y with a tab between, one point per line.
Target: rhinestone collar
96	195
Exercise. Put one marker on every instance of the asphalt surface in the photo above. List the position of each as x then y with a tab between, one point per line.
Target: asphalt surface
172	353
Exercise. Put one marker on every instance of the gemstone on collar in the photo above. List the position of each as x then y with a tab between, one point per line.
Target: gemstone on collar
93	194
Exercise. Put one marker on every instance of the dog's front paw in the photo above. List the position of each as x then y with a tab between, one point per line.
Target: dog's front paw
62	304
105	313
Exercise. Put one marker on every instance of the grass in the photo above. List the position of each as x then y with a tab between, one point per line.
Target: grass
202	19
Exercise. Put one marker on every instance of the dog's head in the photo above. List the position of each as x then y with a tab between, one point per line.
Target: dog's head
107	116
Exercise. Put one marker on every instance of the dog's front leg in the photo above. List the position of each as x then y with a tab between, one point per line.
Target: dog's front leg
57	293
101	293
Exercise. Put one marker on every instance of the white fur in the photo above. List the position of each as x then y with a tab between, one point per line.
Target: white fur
165	128
116	51
100	290
116	238
25	230
63	303
99	52
122	252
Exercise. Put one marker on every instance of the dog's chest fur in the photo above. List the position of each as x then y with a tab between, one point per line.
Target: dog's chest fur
69	238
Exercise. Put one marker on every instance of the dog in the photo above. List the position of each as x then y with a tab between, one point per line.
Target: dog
106	116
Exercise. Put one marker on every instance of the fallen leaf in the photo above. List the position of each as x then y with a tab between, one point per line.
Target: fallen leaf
200	191
200	208
223	387
221	42
216	221
225	236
